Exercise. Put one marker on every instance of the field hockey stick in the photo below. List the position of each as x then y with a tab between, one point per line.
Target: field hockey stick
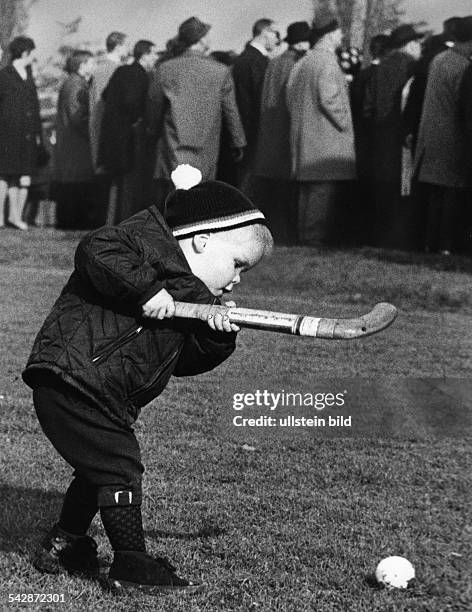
379	318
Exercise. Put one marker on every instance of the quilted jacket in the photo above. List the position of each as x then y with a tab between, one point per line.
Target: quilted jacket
95	338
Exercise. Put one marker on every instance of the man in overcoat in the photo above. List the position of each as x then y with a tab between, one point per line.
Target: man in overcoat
248	72
440	160
189	97
122	146
321	134
383	108
275	188
20	130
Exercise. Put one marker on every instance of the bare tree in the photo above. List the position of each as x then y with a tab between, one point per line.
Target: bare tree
13	19
362	19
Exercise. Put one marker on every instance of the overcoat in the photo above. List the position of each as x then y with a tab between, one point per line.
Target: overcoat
188	98
20	123
100	80
465	117
382	107
273	142
321	134
73	161
125	105
440	152
248	72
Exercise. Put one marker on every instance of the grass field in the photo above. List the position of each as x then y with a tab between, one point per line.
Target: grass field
284	521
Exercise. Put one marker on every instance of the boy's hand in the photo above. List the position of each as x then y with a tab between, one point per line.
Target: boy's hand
219	322
160	306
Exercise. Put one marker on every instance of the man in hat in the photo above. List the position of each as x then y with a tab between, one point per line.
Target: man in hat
441	149
189	97
248	71
272	163
321	134
382	106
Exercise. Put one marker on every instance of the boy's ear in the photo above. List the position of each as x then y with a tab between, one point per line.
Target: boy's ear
199	242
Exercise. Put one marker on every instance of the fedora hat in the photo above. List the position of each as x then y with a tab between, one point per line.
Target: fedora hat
403	35
192	30
299	31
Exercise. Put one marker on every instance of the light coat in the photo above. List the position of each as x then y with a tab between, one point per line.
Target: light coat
321	134
440	153
188	98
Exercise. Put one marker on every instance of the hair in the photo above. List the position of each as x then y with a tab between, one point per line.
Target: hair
75	61
114	40
378	46
142	47
19	45
260	26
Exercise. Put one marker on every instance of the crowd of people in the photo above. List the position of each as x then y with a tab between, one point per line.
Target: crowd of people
333	151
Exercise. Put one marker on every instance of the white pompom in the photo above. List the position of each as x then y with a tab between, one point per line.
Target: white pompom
186	176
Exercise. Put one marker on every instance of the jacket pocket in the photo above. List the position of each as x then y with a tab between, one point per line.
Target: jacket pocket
109	349
151	389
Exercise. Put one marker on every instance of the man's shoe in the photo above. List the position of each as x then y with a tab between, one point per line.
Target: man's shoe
134	569
61	551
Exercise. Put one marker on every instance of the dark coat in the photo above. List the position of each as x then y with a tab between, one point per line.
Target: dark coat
382	106
248	72
273	142
465	117
20	123
321	132
125	105
189	97
95	338
440	151
73	159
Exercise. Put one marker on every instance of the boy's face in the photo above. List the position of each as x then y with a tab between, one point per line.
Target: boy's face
219	259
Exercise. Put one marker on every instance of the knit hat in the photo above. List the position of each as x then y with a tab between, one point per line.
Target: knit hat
192	30
211	206
298	32
325	21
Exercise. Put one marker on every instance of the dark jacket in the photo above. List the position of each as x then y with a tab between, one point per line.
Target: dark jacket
382	105
20	123
273	143
248	73
95	339
73	158
125	105
465	118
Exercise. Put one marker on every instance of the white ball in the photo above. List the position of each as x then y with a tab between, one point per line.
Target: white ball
394	572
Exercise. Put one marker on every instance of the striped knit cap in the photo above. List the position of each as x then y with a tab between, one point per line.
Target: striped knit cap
211	206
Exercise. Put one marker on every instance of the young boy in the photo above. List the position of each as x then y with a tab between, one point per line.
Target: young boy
110	345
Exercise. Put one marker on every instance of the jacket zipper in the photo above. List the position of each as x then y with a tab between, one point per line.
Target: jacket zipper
156	376
116	344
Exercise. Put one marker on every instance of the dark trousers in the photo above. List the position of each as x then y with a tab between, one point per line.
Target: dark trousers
442	215
102	453
75	206
277	199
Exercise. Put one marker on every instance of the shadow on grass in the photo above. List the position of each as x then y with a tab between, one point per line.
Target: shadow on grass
203	532
441	263
25	516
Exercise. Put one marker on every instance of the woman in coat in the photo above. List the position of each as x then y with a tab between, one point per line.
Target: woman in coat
20	130
74	170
